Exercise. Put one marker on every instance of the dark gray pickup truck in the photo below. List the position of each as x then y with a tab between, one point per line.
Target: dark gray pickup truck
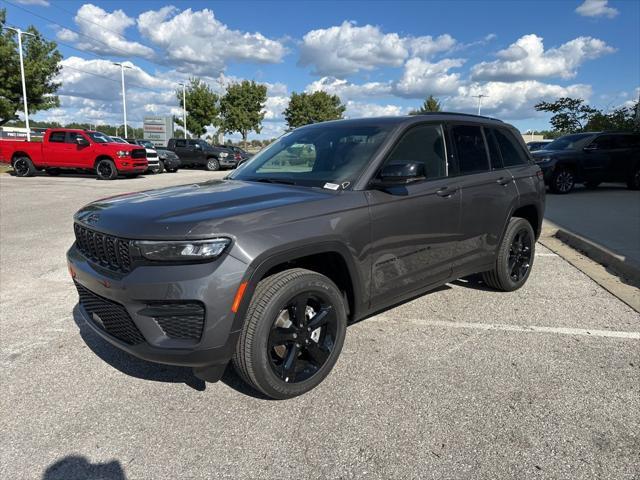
328	225
201	153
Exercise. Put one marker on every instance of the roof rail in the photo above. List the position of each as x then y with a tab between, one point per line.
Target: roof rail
460	115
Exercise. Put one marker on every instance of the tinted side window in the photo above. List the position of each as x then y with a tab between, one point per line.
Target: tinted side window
181	143
604	142
71	137
494	150
471	152
512	154
423	144
57	137
627	141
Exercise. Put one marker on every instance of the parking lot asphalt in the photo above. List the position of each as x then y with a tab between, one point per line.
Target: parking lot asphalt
463	382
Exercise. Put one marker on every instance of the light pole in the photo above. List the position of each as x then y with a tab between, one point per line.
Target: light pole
480	97
184	108
24	83
124	98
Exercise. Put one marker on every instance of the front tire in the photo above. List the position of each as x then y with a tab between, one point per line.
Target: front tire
292	335
161	166
106	170
23	167
514	258
212	165
562	181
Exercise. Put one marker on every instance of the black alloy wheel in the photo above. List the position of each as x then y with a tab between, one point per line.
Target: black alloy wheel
302	337
106	170
23	167
563	181
520	255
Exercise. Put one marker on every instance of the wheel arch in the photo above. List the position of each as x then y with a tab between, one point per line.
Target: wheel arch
330	259
19	154
102	157
531	214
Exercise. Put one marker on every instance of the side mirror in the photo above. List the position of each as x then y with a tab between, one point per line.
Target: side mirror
83	142
401	173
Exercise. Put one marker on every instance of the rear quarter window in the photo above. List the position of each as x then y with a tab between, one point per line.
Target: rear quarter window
511	150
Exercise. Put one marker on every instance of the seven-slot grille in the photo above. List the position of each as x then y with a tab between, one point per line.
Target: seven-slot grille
106	250
110	317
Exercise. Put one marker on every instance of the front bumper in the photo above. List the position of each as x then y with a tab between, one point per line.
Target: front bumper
213	284
228	162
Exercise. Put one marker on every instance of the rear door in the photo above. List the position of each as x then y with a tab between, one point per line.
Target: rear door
488	193
183	152
414	229
625	157
56	151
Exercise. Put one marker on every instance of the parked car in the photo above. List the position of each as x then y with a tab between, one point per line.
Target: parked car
152	155
196	152
591	158
168	159
268	266
240	154
538	145
69	149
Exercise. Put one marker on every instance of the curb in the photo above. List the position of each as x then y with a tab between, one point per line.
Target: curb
626	268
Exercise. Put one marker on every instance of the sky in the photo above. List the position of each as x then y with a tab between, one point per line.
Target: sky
379	57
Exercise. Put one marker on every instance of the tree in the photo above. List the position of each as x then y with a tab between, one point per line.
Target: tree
306	108
41	66
431	104
571	115
202	107
241	108
622	118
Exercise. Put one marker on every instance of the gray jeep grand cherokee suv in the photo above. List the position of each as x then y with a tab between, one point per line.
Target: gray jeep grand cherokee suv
328	225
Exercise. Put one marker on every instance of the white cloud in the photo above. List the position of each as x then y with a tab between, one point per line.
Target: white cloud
40	3
346	90
527	59
596	8
103	33
512	100
422	78
363	110
347	49
275	107
198	43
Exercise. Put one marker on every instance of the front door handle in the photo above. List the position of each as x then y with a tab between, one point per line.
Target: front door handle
504	181
446	192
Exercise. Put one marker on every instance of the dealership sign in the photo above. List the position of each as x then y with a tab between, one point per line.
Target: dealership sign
158	130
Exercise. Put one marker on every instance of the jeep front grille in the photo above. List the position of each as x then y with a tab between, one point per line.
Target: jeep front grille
105	250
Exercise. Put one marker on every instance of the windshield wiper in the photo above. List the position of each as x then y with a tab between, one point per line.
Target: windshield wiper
271	180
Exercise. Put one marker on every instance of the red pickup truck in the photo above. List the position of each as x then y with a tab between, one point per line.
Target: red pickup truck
67	149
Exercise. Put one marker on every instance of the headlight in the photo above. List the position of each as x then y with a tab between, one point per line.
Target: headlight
123	153
177	251
224	154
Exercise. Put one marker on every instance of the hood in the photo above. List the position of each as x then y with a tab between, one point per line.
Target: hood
114	147
552	153
219	207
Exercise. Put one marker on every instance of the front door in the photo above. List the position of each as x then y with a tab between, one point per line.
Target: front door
414	228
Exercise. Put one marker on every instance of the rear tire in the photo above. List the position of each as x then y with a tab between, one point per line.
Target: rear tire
106	170
293	333
634	181
23	167
212	165
514	258
562	181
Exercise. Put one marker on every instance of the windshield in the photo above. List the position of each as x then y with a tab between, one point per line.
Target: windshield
316	156
569	142
146	144
99	137
118	140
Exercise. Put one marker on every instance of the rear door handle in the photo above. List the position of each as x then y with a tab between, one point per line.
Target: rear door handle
504	181
446	192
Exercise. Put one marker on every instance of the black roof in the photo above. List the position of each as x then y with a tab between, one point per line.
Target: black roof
408	119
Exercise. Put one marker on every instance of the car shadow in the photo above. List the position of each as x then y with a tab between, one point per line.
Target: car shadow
87	176
133	366
474	282
76	466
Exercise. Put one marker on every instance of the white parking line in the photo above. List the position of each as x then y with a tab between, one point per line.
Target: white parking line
546	254
519	328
